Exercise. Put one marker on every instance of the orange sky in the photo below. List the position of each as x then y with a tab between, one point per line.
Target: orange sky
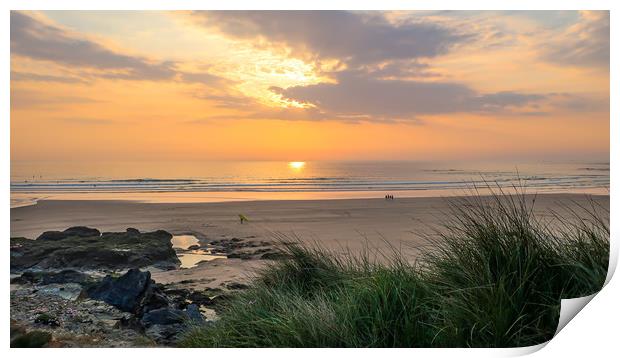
309	86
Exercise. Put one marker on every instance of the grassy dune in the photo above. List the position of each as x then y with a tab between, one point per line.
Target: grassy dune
492	277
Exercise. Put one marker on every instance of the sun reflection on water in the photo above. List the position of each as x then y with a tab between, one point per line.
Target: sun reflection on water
297	165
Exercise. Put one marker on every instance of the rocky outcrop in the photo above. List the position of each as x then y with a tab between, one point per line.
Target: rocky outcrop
113	251
75	231
47	278
133	292
153	311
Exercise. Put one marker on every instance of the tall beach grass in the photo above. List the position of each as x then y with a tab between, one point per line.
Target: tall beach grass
492	276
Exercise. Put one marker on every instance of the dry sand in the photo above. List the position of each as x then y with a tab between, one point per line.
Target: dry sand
336	224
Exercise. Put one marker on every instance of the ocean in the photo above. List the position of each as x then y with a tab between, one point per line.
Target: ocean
274	180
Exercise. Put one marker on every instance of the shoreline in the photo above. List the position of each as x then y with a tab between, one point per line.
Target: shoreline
29	199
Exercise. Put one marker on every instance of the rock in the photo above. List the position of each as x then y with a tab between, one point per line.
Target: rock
52	235
240	255
76	231
165	334
82	231
132	231
165	325
67	291
194	247
164	316
83	323
112	251
133	292
193	313
46	278
33	339
184	297
47	319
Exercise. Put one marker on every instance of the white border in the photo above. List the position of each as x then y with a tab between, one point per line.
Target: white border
593	330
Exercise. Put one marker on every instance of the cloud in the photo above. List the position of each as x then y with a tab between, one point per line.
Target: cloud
354	38
356	94
585	43
35	39
28	99
403	70
202	77
266	113
34	77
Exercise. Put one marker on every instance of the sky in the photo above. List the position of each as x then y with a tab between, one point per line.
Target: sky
309	85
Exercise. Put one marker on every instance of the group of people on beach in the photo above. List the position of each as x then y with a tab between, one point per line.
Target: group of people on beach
389	197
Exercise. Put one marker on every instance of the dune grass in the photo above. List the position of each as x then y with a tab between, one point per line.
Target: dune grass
492	277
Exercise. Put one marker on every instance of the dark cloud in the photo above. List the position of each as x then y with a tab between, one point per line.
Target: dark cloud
586	43
355	38
358	94
37	40
402	70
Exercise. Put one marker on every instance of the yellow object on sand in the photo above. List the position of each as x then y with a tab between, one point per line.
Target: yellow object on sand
242	218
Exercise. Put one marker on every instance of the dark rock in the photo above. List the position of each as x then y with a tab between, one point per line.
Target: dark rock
194	247
200	298
132	231
52	235
212	291
165	325
165	334
46	278
184	297
109	251
193	313
33	339
47	319
164	316
133	292
240	255
82	231
76	231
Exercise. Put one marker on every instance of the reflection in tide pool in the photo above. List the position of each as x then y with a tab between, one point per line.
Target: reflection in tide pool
191	258
184	241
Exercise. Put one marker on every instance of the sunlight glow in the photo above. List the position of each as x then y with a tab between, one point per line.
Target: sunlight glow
297	165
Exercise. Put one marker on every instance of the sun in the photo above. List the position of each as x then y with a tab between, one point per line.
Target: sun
297	165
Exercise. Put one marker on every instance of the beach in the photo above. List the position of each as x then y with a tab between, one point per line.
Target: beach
339	225
177	263
334	223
